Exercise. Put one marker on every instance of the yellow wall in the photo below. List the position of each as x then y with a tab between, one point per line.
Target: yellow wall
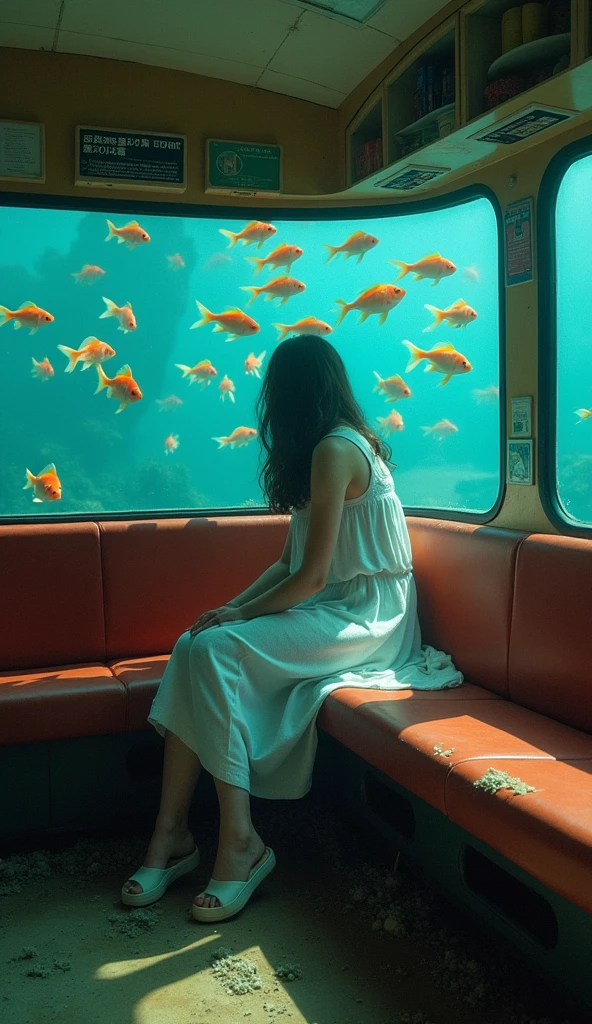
63	90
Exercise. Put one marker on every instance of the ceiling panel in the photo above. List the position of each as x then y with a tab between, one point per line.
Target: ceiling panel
43	13
27	37
160	56
330	52
302	89
248	32
401	19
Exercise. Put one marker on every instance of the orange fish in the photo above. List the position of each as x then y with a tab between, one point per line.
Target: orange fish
486	395
434	266
91	351
124	314
357	244
89	273
166	404
308	325
202	372
176	262
46	485
43	370
442	359
393	387
27	315
131	234
256	231
584	414
381	298
458	314
280	286
226	387
171	443
394	421
233	322
240	436
123	387
440	430
253	364
283	256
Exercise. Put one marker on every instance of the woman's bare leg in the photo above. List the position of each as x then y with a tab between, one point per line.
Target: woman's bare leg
172	839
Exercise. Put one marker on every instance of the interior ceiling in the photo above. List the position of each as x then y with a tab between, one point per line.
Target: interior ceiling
270	44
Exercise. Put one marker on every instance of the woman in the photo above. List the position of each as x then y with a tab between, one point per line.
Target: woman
338	608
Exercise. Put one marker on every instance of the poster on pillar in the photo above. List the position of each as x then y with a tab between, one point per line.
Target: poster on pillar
518	237
120	158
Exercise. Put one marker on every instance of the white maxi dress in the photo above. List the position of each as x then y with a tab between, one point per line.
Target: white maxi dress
245	695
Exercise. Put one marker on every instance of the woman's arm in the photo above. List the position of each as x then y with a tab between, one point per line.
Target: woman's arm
331	474
270	578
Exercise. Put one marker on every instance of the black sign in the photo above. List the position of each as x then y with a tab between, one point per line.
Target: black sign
520	128
122	159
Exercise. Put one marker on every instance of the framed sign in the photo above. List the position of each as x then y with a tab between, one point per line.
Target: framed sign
412	176
243	168
523	125
518	222
119	158
520	462
22	151
522	416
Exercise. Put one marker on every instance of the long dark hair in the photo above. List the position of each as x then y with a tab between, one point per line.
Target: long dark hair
305	394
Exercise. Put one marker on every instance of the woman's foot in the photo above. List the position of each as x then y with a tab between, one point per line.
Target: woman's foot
166	847
234	862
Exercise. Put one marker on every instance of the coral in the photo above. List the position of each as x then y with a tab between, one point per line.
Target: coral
288	972
236	974
495	779
444	753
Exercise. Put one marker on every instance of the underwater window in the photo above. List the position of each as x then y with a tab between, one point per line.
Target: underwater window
142	340
572	456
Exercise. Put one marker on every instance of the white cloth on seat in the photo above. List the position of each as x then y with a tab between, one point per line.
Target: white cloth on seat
245	695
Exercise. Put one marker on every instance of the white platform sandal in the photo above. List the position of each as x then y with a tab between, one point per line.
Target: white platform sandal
234	895
155	881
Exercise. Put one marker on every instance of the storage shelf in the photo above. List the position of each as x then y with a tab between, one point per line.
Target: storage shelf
539	52
426	120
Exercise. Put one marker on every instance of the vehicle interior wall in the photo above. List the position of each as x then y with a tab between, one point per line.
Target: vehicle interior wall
63	90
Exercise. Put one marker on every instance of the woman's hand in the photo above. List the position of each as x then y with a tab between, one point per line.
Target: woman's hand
215	617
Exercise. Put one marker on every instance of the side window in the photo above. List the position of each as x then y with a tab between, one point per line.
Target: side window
142	340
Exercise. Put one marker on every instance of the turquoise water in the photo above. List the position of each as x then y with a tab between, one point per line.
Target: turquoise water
574	348
117	462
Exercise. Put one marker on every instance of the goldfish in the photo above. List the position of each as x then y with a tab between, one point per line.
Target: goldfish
91	351
172	402
280	286
584	414
27	315
434	266
381	298
471	274
131	234
123	387
46	485
43	370
283	256
202	372
440	430
176	262
486	395
308	325
233	322
394	421
124	314
171	443
253	364
393	387
256	231
458	314
226	387
240	436
442	359
357	244
89	273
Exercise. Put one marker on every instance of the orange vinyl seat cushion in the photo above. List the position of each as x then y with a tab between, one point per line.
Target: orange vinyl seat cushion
141	678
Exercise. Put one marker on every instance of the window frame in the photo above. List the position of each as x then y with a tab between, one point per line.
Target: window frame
140	208
547	328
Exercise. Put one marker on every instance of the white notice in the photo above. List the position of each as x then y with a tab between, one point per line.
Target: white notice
21	150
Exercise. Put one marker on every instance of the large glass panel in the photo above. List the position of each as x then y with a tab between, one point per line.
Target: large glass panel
169	448
573	464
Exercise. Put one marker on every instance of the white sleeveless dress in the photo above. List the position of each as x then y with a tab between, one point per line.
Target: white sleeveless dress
245	695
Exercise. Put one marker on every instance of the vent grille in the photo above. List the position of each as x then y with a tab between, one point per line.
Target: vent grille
353	12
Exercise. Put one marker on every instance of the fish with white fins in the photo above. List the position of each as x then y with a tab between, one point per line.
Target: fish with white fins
441	359
440	430
255	231
459	314
253	363
46	485
393	387
432	266
357	244
123	314
394	421
202	372
130	235
239	437
584	414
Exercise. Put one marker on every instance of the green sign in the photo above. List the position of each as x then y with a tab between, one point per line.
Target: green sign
243	168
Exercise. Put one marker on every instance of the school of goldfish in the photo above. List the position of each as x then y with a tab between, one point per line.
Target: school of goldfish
379	299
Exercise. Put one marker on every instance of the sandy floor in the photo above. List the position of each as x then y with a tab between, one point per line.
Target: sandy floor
311	946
